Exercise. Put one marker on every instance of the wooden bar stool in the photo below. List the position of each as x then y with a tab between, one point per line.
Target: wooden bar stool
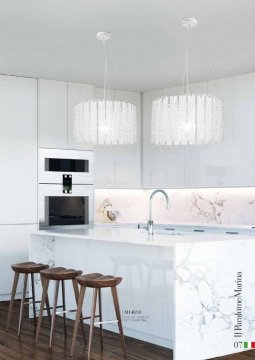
58	274
25	268
97	282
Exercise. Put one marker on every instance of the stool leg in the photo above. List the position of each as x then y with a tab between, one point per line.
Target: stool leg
46	301
43	300
33	296
14	289
117	311
53	318
64	304
76	293
22	303
92	321
100	319
78	316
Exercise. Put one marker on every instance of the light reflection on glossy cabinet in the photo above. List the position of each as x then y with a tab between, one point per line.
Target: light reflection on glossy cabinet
18	150
52	114
119	166
76	93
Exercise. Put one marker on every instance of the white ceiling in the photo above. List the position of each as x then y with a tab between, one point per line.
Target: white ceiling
56	39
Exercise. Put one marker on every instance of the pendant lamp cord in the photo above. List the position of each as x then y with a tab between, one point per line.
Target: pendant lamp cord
186	64
106	74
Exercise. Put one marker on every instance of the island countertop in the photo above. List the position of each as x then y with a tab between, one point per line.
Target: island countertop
182	283
140	237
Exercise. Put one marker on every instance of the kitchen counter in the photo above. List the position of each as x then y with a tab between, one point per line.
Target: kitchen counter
161	237
179	289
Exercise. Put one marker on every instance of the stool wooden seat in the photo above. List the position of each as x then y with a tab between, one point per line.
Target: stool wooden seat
97	281
28	267
58	274
25	268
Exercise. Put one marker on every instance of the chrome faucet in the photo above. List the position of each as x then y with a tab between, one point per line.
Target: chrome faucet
150	222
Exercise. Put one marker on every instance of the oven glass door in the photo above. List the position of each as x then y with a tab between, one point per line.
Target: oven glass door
67	210
66	165
62	210
53	163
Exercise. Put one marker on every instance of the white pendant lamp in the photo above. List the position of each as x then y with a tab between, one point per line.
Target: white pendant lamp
105	121
187	119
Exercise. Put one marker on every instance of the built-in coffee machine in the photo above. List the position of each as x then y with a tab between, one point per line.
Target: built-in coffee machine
66	188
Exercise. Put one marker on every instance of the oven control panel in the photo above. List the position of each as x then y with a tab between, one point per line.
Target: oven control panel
67	184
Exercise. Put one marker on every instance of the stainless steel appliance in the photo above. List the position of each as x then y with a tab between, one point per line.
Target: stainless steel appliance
65	190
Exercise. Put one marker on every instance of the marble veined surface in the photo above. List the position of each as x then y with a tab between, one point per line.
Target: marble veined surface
190	292
140	237
209	206
214	298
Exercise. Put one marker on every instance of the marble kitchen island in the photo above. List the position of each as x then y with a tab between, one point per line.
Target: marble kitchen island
193	293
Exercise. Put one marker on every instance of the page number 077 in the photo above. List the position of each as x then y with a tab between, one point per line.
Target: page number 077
238	344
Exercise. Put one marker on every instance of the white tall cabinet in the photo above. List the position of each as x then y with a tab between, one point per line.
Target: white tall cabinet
18	180
18	150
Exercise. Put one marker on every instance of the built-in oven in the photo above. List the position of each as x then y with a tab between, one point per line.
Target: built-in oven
65	189
60	209
53	163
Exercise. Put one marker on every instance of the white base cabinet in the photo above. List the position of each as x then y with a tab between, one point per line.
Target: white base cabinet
14	248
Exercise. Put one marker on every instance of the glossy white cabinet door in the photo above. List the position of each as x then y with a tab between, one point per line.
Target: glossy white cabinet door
244	130
193	166
104	156
52	114
128	157
14	248
163	166
212	165
119	166
76	93
18	150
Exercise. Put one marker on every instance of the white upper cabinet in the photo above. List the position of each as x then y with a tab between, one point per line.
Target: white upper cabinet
104	156
128	157
244	130
230	163
76	93
18	150
52	114
163	166
212	165
115	166
119	166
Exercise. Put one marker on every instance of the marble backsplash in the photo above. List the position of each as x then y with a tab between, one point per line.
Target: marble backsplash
209	206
